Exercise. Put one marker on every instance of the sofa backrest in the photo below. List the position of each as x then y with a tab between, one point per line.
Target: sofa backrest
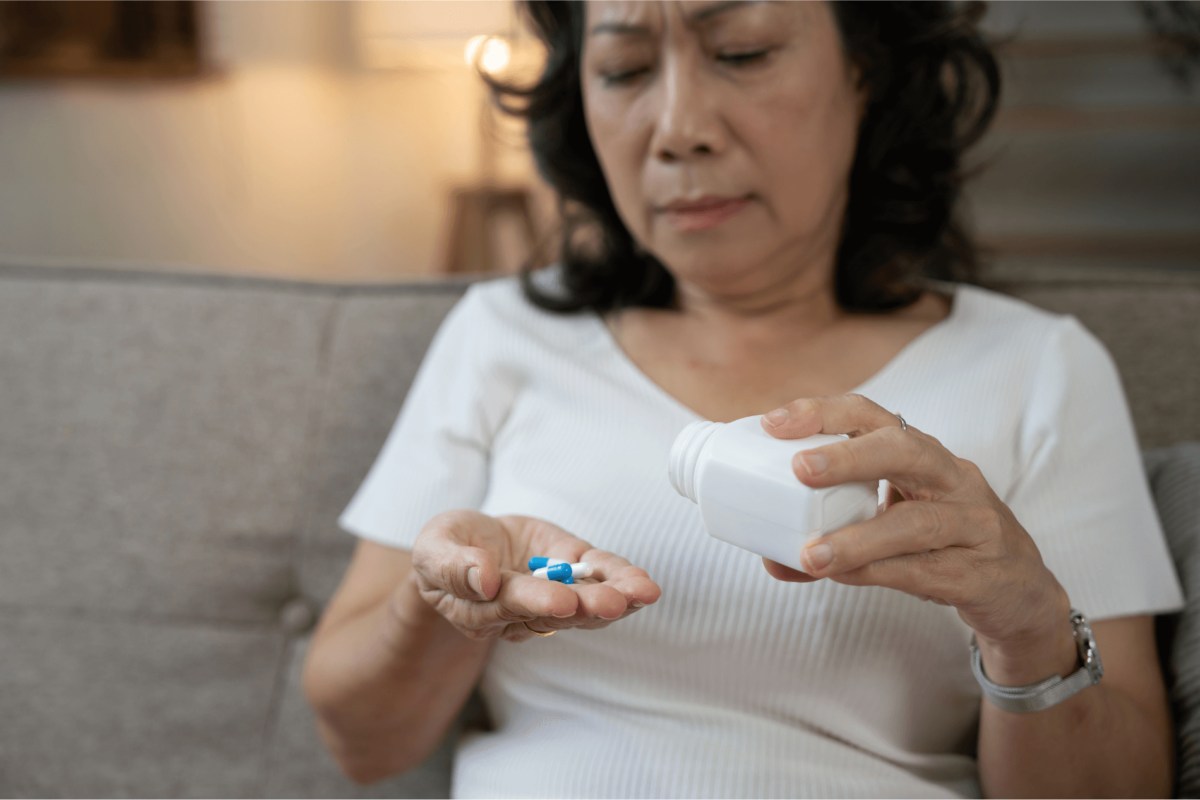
182	445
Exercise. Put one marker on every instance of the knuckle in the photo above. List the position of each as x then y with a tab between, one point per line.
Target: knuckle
846	457
445	604
895	437
932	440
515	633
448	574
445	523
805	406
927	522
858	401
986	522
969	468
510	615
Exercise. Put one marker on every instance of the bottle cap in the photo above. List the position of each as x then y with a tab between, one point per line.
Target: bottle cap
685	453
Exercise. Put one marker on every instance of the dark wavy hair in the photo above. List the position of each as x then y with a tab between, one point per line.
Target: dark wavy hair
933	86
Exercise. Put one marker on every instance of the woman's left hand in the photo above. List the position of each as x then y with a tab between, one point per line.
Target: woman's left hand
954	542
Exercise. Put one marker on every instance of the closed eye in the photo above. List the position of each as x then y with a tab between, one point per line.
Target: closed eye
623	77
743	58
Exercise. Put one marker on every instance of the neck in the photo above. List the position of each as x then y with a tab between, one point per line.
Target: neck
787	307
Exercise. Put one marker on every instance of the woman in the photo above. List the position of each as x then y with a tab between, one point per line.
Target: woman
768	190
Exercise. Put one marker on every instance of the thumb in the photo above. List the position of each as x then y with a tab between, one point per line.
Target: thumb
444	560
469	573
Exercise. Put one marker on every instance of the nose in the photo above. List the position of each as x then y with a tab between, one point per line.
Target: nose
688	126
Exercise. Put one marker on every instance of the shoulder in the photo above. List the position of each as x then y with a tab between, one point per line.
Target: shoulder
1053	347
500	304
986	307
498	324
985	315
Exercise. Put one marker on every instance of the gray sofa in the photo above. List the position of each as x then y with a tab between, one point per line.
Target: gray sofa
174	451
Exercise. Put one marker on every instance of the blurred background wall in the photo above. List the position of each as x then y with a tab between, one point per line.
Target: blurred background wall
1095	154
305	150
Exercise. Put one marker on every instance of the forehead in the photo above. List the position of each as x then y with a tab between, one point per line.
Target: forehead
616	15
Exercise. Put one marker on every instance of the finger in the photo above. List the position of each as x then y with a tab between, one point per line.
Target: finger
632	582
912	461
468	573
905	529
524	597
518	632
783	573
850	414
455	552
608	566
616	598
638	590
945	577
537	537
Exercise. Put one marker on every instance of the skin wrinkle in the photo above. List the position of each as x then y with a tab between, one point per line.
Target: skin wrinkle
744	139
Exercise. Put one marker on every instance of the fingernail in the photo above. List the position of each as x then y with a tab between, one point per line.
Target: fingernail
637	604
474	580
776	417
817	557
815	463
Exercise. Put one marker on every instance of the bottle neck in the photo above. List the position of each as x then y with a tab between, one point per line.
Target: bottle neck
685	455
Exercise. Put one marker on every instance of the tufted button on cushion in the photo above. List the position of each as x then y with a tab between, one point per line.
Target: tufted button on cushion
297	616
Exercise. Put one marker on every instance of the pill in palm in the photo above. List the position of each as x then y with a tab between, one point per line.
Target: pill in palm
558	572
537	562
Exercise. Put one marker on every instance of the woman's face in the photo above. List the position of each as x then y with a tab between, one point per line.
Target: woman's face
726	131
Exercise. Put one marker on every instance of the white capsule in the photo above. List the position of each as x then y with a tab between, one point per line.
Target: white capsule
557	572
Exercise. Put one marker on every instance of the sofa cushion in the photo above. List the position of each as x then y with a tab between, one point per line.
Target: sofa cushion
99	707
154	437
1174	474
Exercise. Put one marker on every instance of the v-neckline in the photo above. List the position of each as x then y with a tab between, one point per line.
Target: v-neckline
903	354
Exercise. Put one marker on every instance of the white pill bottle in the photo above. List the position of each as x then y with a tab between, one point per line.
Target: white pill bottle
742	479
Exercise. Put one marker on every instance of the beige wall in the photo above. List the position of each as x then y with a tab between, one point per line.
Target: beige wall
296	161
291	161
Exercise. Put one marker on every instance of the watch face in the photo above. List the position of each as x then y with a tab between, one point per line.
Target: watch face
1089	654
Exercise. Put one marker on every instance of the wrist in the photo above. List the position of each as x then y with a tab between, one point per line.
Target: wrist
1036	653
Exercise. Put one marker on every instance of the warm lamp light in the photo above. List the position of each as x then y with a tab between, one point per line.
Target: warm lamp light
490	53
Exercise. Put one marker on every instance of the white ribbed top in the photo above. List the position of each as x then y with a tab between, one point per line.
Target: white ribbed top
734	684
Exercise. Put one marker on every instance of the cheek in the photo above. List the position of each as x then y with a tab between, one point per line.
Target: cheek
807	137
619	144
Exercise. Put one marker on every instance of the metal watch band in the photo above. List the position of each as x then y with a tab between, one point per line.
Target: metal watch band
1052	691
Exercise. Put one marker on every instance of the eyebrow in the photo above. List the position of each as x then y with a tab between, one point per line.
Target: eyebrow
705	13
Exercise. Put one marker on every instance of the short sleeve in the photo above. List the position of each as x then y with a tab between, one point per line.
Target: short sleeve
1082	492
436	457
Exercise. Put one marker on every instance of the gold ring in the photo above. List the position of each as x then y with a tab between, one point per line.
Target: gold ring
537	633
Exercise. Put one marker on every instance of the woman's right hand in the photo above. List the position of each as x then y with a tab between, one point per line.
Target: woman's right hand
472	569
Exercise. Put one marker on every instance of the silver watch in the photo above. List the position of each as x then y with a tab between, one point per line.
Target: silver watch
1053	690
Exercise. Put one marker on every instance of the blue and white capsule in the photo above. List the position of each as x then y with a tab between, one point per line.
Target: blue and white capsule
560	572
537	562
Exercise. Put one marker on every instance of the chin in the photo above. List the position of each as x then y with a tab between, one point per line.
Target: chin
715	269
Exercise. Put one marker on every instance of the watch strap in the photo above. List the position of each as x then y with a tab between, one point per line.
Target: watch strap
1053	690
1034	697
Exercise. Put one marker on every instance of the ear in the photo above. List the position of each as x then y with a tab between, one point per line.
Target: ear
861	89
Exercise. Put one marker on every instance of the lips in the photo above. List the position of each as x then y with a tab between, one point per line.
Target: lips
703	213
